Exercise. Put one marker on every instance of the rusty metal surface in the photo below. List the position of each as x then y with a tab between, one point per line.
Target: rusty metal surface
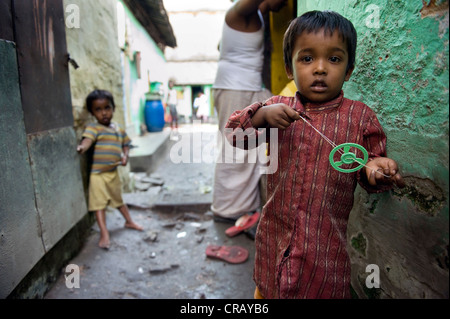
42	56
55	165
6	29
20	242
41	190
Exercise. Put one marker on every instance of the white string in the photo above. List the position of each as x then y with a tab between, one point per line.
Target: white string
334	145
321	134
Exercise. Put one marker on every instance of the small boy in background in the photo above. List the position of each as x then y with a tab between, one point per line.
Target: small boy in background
112	146
301	242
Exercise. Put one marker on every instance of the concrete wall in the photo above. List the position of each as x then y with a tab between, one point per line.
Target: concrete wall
402	73
143	62
93	44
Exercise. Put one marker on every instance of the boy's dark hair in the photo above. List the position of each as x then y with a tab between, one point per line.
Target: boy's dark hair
99	94
314	21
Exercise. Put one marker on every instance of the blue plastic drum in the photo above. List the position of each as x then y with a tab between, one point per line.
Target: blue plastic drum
154	114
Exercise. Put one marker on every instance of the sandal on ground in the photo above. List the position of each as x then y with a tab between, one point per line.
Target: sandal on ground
243	223
230	254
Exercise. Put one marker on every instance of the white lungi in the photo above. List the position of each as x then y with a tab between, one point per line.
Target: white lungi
236	185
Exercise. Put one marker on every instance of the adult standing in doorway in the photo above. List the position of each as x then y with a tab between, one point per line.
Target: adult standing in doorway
236	192
171	102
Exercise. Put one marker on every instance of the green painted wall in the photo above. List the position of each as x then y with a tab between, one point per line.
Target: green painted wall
152	68
402	73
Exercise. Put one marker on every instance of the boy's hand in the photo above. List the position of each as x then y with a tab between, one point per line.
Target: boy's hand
276	115
379	168
85	144
124	160
125	155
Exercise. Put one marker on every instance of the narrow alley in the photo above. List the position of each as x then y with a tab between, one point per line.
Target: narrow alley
167	260
164	63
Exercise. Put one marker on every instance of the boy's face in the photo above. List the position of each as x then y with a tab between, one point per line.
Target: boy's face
319	65
103	111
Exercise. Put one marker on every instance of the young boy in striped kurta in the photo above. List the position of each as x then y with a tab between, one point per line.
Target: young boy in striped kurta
301	237
112	145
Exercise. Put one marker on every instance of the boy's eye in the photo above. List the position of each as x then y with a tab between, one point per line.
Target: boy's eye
306	59
335	59
106	108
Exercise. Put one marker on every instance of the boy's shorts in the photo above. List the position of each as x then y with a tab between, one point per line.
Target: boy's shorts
105	189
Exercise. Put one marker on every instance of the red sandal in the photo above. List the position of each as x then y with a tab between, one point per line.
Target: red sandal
231	254
243	223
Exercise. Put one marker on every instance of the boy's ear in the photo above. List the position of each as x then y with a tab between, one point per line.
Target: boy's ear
289	73
349	73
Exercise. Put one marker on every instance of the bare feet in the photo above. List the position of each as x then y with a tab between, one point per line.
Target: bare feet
134	226
104	243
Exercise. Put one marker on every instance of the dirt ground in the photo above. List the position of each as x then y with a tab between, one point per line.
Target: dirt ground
160	262
167	260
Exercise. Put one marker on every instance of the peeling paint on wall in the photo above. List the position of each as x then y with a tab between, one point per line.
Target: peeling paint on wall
359	243
434	8
426	196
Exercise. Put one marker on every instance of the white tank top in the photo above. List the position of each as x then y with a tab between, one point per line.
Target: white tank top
241	59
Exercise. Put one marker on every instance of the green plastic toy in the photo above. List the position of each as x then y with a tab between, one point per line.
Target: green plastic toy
348	157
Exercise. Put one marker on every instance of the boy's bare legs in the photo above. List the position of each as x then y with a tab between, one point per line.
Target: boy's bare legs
129	223
104	234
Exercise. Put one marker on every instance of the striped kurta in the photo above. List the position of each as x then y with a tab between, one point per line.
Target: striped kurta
109	143
301	237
